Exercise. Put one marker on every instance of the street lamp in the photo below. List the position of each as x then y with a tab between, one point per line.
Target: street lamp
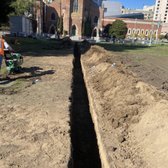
151	33
158	26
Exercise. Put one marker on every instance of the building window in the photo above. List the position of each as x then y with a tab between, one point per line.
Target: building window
75	6
129	31
146	32
138	32
53	16
105	10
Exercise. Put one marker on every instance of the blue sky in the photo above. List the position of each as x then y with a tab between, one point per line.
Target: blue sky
136	3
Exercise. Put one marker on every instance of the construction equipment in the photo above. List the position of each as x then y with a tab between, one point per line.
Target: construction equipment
13	61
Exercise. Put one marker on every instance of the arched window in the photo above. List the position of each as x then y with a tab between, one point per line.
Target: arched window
142	31
138	32
53	16
75	5
129	31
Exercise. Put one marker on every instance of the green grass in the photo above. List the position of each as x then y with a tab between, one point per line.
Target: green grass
29	44
157	50
38	45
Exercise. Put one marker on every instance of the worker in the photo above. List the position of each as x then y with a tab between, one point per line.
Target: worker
3	46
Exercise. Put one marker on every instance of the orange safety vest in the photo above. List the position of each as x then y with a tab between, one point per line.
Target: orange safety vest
1	47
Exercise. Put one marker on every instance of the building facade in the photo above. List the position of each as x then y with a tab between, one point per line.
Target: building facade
83	16
75	14
138	28
161	11
148	12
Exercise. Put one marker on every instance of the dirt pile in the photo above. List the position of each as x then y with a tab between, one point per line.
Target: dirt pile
131	115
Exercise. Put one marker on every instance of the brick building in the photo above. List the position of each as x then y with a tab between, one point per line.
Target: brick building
137	27
75	14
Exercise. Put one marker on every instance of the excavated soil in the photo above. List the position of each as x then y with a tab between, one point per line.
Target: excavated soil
129	110
41	115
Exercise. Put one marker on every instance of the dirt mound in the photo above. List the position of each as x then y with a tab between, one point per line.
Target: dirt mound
131	114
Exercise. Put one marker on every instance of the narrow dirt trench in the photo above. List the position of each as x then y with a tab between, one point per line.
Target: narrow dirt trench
85	153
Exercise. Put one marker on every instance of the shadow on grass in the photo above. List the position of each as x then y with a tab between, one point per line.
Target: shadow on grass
47	52
122	47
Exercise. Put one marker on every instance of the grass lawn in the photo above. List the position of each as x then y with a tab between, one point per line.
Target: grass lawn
29	44
157	50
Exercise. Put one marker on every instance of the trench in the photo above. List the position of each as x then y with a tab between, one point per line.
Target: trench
84	151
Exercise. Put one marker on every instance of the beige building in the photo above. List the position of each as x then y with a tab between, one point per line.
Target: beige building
161	11
164	30
148	11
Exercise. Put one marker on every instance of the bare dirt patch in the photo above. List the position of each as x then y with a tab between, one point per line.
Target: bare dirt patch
130	110
34	119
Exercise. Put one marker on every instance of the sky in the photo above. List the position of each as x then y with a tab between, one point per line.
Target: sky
134	4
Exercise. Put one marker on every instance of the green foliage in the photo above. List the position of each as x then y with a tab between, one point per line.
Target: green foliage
153	36
161	37
5	9
106	30
21	6
118	29
142	35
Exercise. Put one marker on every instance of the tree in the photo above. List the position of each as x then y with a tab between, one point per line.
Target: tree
106	30
166	36
5	9
161	37
21	7
25	7
118	29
